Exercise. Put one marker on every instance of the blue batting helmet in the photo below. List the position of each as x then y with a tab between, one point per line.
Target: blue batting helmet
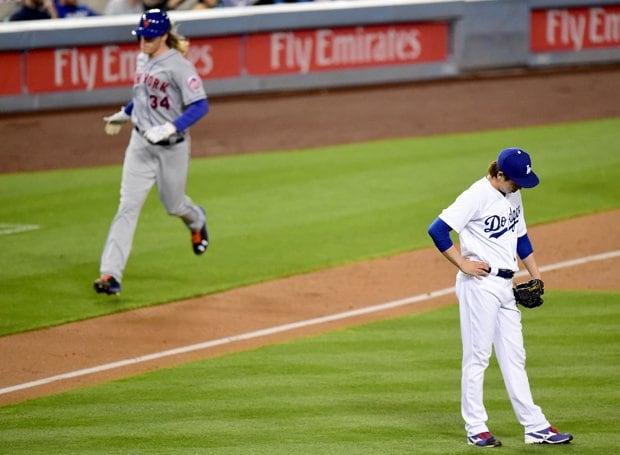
153	23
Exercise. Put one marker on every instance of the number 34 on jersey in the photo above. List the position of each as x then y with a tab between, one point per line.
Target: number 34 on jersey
155	85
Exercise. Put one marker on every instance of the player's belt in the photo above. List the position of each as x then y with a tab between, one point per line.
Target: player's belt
502	273
174	139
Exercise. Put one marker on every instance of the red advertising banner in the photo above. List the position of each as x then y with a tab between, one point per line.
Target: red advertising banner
306	51
574	29
97	67
216	58
79	68
11	73
294	52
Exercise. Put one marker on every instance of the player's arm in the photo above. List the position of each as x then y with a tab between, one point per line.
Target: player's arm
439	231
191	115
526	253
114	123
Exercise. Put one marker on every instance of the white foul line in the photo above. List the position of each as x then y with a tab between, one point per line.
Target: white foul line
285	327
8	228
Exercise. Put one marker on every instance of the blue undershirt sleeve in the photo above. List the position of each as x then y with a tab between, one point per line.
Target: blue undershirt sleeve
524	246
192	114
129	108
439	231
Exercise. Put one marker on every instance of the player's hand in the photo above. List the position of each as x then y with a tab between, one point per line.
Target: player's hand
476	269
114	122
160	133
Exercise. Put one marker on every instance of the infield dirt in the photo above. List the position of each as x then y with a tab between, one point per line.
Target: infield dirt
273	122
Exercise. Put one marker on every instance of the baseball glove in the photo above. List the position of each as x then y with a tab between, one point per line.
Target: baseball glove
529	294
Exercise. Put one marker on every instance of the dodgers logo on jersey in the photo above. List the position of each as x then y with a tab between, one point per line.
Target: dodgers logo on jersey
498	225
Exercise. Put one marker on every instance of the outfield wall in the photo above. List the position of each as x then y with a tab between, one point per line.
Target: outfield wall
89	61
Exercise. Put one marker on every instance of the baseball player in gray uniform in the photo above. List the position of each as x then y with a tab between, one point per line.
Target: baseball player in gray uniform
168	97
489	219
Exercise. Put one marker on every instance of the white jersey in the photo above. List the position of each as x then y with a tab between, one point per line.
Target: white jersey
488	224
163	87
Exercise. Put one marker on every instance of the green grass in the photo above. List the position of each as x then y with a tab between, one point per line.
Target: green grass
389	387
275	214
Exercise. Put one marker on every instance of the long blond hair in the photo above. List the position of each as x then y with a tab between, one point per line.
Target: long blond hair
177	41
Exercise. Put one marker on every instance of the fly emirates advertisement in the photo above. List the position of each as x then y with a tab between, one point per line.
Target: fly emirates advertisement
575	29
230	57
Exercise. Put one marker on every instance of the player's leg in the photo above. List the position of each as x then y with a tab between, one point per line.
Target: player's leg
478	309
171	185
139	170
510	353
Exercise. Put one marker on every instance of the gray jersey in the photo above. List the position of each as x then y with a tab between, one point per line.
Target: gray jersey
163	87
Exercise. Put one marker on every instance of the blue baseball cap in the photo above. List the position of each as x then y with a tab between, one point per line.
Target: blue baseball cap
516	164
153	23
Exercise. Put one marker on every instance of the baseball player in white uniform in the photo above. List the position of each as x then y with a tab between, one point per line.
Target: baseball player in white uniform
168	97
489	220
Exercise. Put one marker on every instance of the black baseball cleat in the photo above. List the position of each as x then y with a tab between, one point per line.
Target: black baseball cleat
107	284
200	239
